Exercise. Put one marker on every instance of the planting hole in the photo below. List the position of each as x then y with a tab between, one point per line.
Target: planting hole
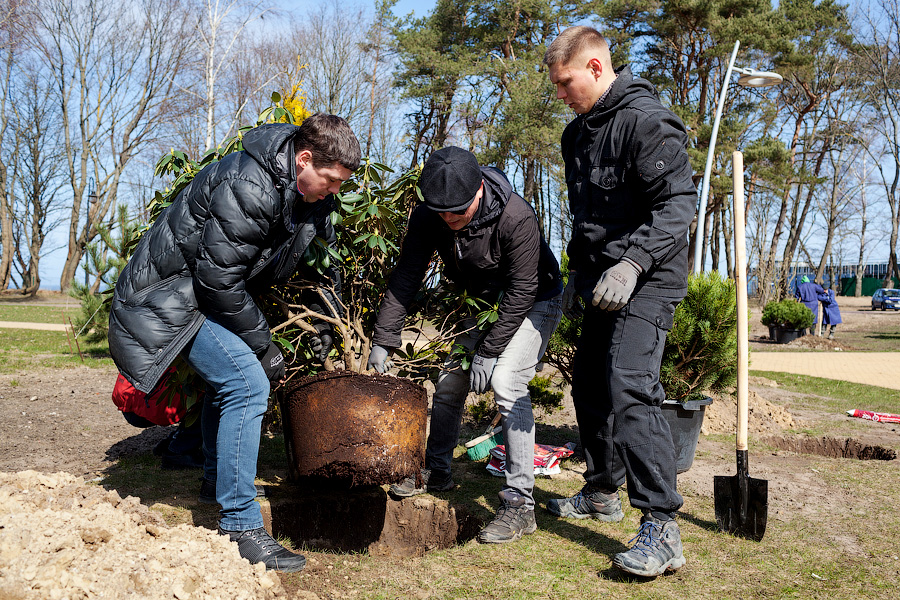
832	447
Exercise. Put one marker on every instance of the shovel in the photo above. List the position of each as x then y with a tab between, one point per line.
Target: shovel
742	502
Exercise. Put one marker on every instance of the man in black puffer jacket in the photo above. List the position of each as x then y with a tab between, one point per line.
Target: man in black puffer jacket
491	246
240	226
632	199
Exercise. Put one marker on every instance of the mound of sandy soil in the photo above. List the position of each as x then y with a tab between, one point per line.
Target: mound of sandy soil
63	539
764	417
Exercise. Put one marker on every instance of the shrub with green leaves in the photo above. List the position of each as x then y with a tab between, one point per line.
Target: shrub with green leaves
542	394
789	313
701	350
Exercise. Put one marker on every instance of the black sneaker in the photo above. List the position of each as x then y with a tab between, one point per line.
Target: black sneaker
588	504
657	549
432	481
257	546
513	520
208	491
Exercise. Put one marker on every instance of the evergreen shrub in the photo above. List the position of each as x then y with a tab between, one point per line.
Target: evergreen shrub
701	350
787	314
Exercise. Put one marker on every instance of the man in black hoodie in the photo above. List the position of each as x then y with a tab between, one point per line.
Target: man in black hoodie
632	199
491	246
241	225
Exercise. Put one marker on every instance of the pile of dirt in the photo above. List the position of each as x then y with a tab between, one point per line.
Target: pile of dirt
61	538
815	342
764	417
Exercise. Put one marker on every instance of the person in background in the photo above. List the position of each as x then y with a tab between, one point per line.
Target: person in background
632	201
240	226
491	246
831	313
808	293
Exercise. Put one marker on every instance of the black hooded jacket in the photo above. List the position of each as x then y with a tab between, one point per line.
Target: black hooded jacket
501	251
237	228
630	188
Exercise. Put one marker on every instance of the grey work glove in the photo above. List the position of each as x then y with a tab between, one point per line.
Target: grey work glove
378	359
273	363
321	345
480	373
571	304
616	285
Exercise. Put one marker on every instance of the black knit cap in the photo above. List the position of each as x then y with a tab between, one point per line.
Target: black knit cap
450	179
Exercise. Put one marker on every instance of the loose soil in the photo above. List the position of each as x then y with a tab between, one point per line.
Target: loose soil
64	536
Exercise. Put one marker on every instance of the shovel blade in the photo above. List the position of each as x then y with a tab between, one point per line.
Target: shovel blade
742	505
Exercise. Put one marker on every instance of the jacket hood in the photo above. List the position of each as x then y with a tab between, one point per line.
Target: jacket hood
625	90
267	144
497	191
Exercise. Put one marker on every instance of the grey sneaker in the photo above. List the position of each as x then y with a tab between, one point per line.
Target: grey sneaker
257	546
588	504
513	520
657	549
432	481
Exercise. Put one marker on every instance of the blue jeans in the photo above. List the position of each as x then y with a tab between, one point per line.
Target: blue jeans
236	398
514	370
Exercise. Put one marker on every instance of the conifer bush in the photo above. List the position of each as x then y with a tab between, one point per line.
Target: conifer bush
701	350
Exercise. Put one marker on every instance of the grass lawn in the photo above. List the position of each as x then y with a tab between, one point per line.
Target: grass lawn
36	313
25	348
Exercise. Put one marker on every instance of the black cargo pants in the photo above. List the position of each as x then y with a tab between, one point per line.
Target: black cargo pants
617	398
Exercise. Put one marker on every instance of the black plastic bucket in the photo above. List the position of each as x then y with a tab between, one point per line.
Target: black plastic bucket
685	420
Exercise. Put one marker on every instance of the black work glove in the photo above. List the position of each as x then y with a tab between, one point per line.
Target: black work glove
273	363
571	303
321	345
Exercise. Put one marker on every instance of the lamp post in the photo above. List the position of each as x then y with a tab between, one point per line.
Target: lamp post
92	199
748	78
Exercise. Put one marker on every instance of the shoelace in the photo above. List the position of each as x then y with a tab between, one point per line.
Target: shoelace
645	537
265	541
507	515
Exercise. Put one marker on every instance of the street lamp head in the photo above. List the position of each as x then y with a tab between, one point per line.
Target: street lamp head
757	79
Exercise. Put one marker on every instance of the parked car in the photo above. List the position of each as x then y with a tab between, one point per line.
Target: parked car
885	298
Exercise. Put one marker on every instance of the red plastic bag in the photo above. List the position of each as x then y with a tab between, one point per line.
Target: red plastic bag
149	406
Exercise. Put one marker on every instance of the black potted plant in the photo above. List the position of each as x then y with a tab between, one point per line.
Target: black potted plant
786	319
700	357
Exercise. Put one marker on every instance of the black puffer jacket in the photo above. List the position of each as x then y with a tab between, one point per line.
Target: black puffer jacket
630	188
237	228
500	251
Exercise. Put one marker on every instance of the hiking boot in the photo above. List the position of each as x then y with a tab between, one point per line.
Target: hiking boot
257	546
588	504
657	549
432	481
208	491
513	520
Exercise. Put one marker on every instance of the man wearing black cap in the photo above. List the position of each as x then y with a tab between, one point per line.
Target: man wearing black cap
490	244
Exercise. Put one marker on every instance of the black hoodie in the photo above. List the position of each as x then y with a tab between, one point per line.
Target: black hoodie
501	251
630	188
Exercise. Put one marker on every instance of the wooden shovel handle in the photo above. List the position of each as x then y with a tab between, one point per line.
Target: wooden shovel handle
740	280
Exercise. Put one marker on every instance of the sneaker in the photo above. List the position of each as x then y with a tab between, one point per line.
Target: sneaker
257	546
513	520
432	481
208	491
588	504
657	549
